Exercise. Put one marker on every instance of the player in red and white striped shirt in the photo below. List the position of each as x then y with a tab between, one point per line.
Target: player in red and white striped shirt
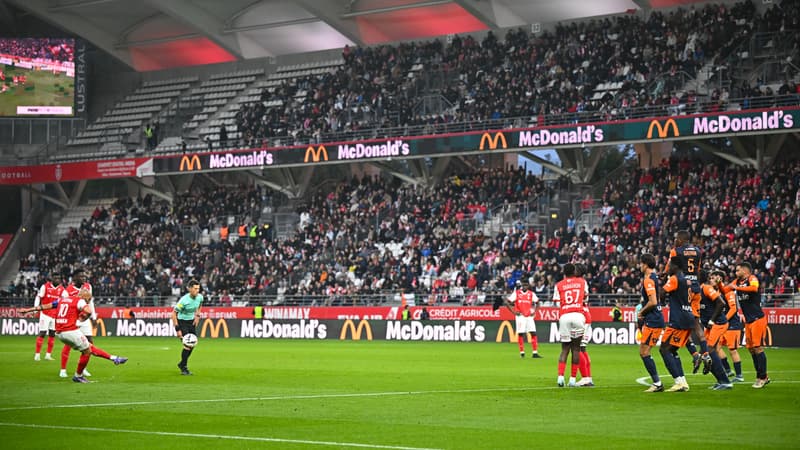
570	296
71	308
85	326
524	303
50	291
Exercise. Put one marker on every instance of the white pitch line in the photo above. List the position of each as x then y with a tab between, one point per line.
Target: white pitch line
644	380
288	397
215	436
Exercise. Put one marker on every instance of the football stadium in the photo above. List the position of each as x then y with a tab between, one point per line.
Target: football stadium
400	224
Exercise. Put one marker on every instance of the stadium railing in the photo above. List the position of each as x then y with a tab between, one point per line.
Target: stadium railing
388	298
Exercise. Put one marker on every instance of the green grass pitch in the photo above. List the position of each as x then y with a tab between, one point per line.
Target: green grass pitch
46	90
283	394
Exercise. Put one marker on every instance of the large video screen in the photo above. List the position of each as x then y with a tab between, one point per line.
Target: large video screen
37	77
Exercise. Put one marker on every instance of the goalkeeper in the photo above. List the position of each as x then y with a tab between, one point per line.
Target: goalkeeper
185	317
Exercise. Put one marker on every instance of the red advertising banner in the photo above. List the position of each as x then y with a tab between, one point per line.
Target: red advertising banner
5	239
73	171
550	314
787	316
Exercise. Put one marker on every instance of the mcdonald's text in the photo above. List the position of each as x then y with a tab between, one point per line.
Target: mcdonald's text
775	120
141	327
19	327
267	329
468	331
231	160
359	151
582	135
604	335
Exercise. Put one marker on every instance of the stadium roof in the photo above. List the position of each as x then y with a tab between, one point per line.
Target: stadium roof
160	34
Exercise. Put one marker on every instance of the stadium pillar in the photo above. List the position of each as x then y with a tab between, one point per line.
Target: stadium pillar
138	186
439	169
578	162
652	153
392	171
77	192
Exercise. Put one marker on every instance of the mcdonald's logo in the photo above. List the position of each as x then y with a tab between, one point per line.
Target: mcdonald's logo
505	327
99	328
499	138
208	325
663	131
315	155
355	331
189	164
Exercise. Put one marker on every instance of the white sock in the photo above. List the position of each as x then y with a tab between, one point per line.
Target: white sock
572	380
561	378
113	356
588	379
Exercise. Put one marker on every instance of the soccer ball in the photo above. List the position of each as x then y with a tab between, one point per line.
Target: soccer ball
189	340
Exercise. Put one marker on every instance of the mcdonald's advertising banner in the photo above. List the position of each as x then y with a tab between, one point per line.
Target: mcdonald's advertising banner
606	133
545	137
605	333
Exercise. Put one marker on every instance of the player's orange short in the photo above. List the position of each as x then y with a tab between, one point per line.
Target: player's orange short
715	334
732	339
694	300
675	337
755	333
650	336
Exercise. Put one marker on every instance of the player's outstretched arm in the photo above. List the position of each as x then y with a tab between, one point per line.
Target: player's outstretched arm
46	306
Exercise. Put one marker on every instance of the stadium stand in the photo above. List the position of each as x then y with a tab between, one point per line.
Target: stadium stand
710	58
143	106
370	236
579	73
211	96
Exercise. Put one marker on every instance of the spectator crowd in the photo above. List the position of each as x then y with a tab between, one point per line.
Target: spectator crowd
523	79
46	49
371	235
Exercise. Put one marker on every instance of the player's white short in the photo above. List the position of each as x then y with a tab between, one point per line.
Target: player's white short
85	326
587	334
571	326
525	324
46	323
75	339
